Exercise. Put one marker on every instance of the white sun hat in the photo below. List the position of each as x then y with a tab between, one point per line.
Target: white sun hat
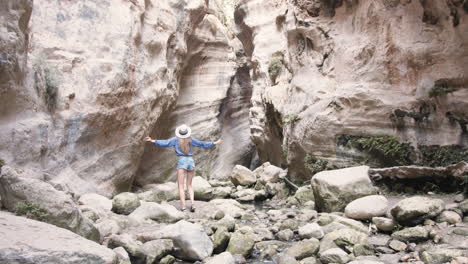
183	131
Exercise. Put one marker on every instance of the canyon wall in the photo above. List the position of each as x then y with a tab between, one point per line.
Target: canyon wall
84	82
303	84
334	79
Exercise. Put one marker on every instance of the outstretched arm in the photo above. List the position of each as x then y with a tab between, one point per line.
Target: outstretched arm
204	144
161	142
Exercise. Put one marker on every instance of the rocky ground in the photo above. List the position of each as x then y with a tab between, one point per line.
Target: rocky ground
256	217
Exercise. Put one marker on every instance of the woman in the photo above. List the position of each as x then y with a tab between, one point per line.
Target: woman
185	165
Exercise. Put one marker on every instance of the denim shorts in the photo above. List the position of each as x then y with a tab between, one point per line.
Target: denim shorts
186	163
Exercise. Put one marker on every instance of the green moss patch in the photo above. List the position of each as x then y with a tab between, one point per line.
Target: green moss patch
442	87
275	66
291	119
31	210
314	165
441	156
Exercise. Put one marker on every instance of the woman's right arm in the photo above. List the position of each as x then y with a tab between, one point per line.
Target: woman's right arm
162	142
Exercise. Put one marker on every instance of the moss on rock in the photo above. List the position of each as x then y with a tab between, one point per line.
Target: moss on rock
387	149
437	156
275	66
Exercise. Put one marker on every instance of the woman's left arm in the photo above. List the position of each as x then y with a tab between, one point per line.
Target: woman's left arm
204	144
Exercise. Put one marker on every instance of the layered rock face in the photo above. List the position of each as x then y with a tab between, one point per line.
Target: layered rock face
84	82
327	74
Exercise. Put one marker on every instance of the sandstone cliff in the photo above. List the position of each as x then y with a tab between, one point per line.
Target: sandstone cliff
334	81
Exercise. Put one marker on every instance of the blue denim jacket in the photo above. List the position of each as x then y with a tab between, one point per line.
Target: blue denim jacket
174	142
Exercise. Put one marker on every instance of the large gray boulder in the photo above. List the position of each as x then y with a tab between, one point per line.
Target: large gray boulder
224	258
269	173
414	210
160	192
241	244
202	189
365	208
412	234
163	212
342	237
26	241
27	195
191	239
242	176
334	189
96	201
125	203
303	249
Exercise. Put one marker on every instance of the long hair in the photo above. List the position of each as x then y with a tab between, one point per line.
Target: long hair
184	144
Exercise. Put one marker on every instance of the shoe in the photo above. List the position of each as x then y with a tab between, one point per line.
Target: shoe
182	209
192	208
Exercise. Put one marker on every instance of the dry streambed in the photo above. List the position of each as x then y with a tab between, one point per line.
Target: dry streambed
254	218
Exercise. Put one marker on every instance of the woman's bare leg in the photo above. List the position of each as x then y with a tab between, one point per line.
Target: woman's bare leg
189	186
180	182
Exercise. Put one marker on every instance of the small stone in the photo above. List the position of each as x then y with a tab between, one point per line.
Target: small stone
125	203
397	245
438	255
289	224
384	224
285	235
461	231
363	250
384	250
242	176
167	260
414	210
334	255
367	207
312	230
429	222
241	244
220	240
303	249
459	198
450	217
412	234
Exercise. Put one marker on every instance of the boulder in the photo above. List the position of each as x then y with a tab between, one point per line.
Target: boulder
414	210
463	206
122	255
450	217
242	176
191	239
303	249
167	260
221	192
39	200
325	219
28	241
229	207
304	194
268	249
384	224
155	250
279	190
130	244
245	195
163	212
412	234
285	235
439	255
221	240
107	227
160	192
202	189
334	189
269	173
225	258
286	259
309	260
397	245
125	203
342	237
312	230
334	255
96	201
365	208
241	244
